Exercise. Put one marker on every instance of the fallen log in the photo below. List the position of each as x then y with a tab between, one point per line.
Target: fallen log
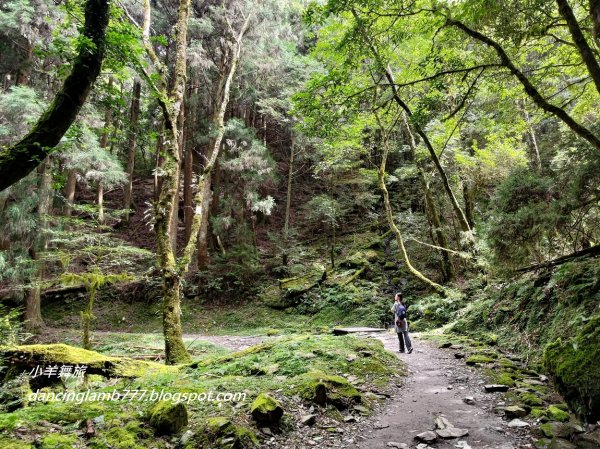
33	357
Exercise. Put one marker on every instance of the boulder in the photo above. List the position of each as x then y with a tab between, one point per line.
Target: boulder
266	410
555	413
168	417
492	388
560	430
517	423
308	420
323	389
589	440
221	432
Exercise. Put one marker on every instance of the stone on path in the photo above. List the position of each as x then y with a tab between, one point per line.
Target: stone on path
516	423
514	411
446	430
445	345
492	388
398	445
308	420
469	400
426	437
459	355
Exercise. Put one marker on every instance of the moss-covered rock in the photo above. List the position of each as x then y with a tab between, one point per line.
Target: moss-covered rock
11	443
531	399
168	417
554	413
266	410
478	359
323	389
555	429
575	366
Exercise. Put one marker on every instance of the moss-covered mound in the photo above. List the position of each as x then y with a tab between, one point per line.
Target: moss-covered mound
27	357
222	433
575	366
323	389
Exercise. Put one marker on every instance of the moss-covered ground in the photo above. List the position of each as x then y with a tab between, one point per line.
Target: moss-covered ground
284	366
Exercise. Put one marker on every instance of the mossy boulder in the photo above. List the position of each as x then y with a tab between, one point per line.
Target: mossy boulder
11	443
288	291
555	429
555	413
266	410
478	359
168	417
221	433
575	366
323	389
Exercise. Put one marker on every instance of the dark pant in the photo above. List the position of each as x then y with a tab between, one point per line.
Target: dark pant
403	337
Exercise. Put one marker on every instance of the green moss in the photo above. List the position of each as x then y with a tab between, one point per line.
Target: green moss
128	436
266	410
478	359
530	399
556	414
575	366
538	412
14	444
167	417
58	441
322	389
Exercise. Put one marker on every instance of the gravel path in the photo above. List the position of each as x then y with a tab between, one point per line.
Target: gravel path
436	384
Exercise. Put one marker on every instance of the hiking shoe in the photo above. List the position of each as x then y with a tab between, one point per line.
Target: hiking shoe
402	351
410	350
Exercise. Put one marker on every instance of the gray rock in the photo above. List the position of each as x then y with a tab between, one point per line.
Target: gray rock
516	423
557	443
492	388
514	411
308	420
560	430
397	445
459	355
445	345
469	400
349	418
452	432
533	382
426	437
589	440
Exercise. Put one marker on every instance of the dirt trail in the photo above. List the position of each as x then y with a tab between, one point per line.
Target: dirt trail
437	383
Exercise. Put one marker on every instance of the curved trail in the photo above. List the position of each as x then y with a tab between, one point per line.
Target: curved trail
437	383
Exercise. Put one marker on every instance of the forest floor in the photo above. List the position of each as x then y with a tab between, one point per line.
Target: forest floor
436	384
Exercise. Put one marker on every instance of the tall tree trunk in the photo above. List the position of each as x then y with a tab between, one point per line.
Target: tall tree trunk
288	202
33	310
204	184
188	175
132	145
595	14
70	188
108	118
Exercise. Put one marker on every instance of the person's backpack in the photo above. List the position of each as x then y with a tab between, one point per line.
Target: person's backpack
400	313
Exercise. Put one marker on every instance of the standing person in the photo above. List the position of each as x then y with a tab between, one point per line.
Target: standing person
401	324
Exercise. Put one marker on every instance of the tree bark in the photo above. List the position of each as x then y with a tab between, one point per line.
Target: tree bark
70	191
19	160
132	144
595	14
584	49
288	202
33	307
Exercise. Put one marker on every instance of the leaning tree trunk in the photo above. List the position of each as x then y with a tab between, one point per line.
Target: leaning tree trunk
288	203
22	158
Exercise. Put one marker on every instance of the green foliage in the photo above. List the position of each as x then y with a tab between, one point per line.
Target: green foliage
11	327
